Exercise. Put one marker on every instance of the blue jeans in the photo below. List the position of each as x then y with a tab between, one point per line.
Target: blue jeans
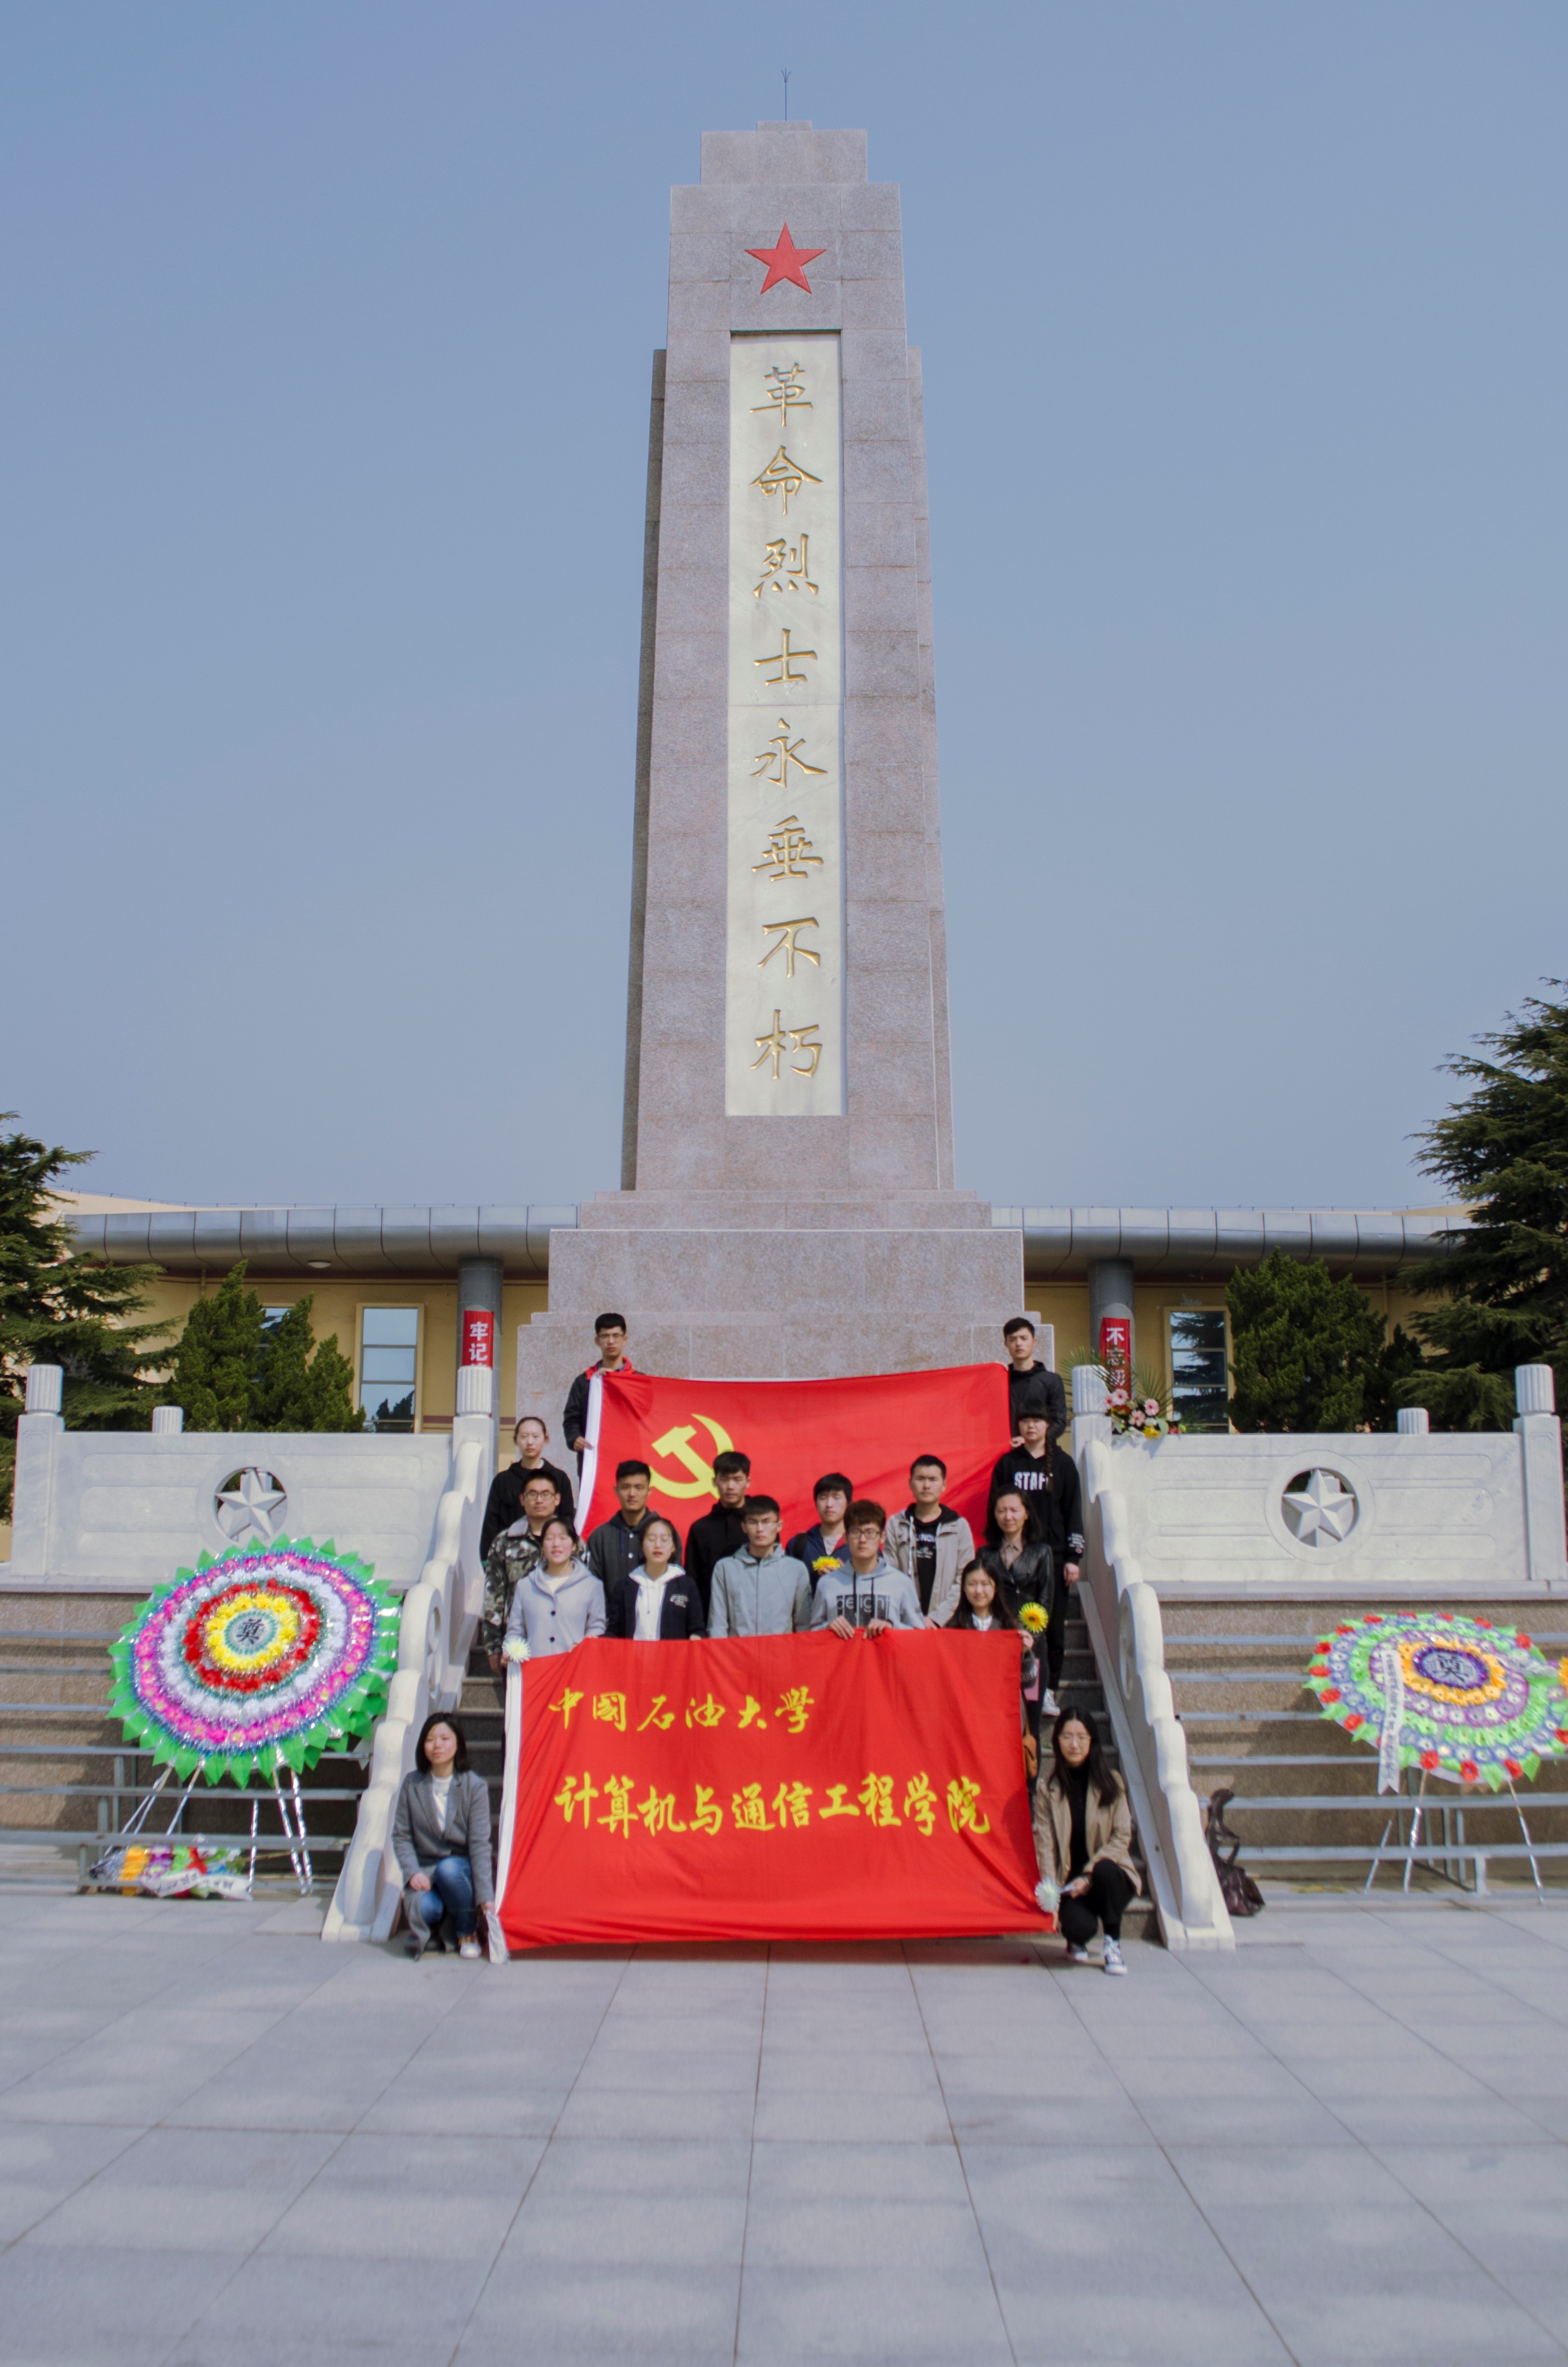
450	1893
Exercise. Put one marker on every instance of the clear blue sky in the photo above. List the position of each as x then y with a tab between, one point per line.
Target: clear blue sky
330	326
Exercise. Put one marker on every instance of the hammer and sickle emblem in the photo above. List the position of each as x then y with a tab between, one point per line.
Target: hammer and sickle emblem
678	1442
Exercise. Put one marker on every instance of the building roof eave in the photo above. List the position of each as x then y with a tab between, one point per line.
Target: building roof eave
392	1244
1208	1244
383	1245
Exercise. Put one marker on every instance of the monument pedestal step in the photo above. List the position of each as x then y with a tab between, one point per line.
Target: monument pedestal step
717	1298
793	1208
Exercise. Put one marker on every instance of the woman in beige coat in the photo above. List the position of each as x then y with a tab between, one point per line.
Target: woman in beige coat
1083	1838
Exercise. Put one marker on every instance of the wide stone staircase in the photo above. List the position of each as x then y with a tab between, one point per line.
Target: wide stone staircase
69	1786
1306	1807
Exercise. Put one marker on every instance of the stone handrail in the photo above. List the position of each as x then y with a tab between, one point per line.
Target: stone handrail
441	1613
1123	1614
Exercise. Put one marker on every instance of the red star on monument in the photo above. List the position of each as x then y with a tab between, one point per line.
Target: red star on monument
786	261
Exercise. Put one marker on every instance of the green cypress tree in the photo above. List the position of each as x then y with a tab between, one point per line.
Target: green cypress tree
217	1357
1504	1278
1302	1346
331	1400
281	1370
57	1308
299	1390
232	1370
1388	1376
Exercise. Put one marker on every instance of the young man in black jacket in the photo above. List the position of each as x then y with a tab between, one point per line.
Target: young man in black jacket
834	1494
614	1548
1028	1379
506	1501
719	1533
609	1337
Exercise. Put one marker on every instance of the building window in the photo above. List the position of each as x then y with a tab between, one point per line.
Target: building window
388	1366
1201	1377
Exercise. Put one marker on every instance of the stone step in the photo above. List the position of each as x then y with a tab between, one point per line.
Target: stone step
1302	1783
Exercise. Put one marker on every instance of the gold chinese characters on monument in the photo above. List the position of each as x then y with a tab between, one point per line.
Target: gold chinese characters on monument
785	1058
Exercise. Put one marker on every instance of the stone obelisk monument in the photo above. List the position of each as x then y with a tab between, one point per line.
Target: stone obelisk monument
788	1205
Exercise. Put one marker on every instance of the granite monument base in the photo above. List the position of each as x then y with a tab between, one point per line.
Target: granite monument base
720	1286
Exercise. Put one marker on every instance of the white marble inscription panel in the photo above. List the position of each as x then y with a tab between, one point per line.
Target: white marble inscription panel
784	995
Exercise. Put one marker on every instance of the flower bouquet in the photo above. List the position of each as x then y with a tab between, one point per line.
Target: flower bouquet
1033	1619
1136	1401
176	1870
1141	1410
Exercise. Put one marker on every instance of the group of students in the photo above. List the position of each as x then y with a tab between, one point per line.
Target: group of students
855	1569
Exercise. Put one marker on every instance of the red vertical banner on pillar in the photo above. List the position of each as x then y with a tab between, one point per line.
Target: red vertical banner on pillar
1116	1355
478	1337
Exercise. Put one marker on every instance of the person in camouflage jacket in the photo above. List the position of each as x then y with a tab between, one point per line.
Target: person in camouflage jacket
515	1551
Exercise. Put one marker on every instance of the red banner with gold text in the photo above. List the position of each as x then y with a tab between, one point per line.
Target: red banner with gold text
777	1787
870	1427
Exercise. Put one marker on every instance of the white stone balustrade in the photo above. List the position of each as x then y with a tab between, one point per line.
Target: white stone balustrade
1123	1614
440	1615
1414	1515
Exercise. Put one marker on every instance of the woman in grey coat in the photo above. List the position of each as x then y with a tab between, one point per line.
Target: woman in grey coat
441	1838
557	1602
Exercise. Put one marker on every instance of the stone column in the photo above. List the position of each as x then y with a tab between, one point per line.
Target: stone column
39	1433
1091	1419
1541	1451
479	1291
1110	1293
479	1288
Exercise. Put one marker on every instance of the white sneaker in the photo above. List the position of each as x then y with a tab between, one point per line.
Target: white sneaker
1077	1955
469	1947
1113	1961
1049	1705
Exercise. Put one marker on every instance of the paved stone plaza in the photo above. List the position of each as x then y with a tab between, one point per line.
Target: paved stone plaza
222	2145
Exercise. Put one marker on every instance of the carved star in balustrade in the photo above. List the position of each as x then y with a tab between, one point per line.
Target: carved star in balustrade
247	1510
1322	1512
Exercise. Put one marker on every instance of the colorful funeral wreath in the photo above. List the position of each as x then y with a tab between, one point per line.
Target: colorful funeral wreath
1457	1697
265	1657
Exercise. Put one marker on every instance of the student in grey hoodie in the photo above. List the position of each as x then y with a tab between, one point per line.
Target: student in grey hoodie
761	1590
870	1593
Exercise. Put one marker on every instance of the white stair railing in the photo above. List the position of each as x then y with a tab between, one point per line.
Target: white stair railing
441	1613
1123	1614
